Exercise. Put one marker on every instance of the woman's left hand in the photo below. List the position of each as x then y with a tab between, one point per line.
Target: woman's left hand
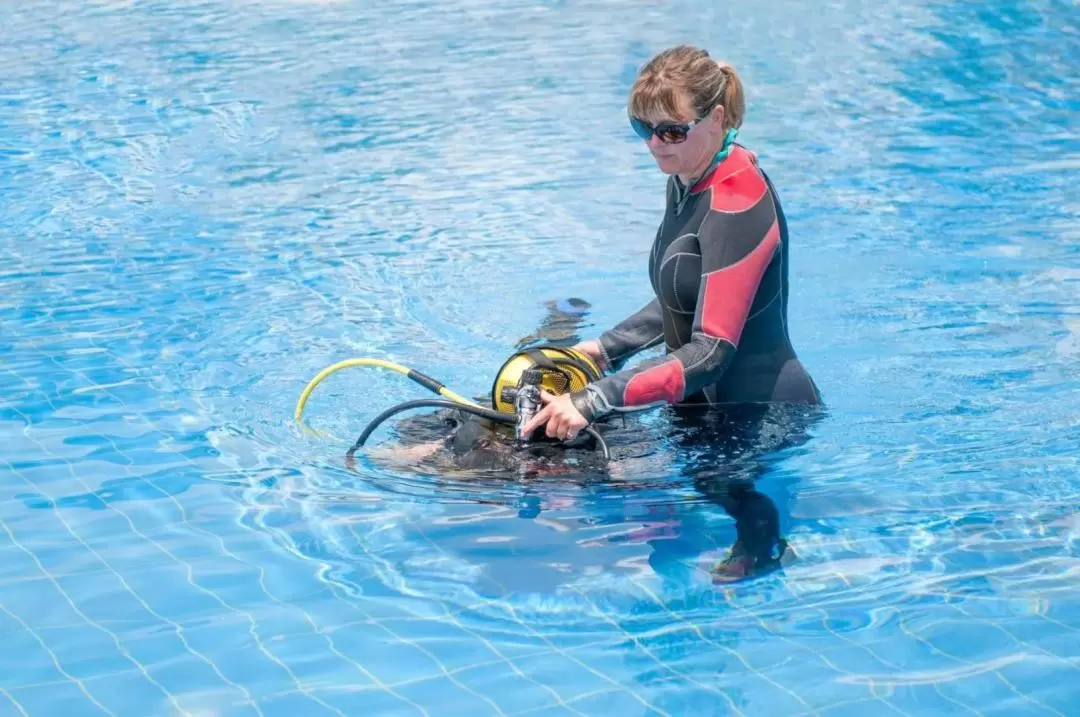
563	420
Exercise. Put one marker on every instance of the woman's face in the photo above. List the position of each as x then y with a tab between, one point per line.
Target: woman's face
691	155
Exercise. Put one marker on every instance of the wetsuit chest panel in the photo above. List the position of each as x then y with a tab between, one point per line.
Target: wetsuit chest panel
675	265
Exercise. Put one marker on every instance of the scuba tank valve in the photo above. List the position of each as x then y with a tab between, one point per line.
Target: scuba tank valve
527	400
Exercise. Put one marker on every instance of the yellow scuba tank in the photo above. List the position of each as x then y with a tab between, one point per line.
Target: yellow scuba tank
563	369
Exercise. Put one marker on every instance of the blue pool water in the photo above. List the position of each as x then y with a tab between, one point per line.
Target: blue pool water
204	203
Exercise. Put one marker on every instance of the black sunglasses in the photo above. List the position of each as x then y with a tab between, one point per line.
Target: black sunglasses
668	132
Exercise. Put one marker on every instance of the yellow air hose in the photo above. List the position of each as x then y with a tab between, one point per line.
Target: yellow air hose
425	381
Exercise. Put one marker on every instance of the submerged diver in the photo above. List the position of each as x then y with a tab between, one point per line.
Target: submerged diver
718	266
457	439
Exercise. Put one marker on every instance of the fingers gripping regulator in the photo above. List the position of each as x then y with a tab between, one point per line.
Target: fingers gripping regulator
554	369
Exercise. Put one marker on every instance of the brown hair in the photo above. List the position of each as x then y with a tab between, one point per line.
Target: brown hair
689	71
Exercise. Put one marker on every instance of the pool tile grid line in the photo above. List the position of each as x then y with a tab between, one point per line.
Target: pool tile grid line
969	617
82	572
412	681
696	629
49	576
177	628
396	636
886	661
676	619
997	673
385	687
870	704
734	653
22	711
225	551
56	662
920	639
451	618
436	547
736	606
369	620
524	624
286	544
44	684
569	703
660	663
914	636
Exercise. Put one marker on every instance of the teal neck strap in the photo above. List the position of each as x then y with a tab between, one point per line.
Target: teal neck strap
729	142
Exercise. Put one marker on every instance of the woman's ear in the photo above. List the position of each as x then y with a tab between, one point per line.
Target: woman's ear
718	115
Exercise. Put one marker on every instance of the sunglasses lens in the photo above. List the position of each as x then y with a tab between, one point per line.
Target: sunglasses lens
670	134
640	128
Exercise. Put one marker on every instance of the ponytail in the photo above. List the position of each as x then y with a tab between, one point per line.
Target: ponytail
733	100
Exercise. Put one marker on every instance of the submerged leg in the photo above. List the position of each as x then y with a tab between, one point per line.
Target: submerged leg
739	450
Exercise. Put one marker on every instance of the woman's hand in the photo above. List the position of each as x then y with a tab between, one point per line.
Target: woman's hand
563	420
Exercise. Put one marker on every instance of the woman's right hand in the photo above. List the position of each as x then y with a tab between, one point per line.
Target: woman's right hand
591	348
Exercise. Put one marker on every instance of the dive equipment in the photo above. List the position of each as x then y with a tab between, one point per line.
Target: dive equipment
515	393
563	370
527	401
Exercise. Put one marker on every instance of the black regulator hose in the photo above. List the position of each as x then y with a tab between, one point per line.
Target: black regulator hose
498	416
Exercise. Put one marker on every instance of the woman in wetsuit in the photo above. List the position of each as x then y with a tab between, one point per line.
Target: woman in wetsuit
718	266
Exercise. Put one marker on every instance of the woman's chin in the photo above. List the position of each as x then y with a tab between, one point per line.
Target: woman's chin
667	165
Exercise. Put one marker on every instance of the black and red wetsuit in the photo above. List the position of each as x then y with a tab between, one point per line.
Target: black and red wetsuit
719	269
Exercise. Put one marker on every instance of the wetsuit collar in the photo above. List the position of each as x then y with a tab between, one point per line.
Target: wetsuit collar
725	150
683	191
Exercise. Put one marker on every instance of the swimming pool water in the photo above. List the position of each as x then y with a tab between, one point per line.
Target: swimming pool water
202	204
